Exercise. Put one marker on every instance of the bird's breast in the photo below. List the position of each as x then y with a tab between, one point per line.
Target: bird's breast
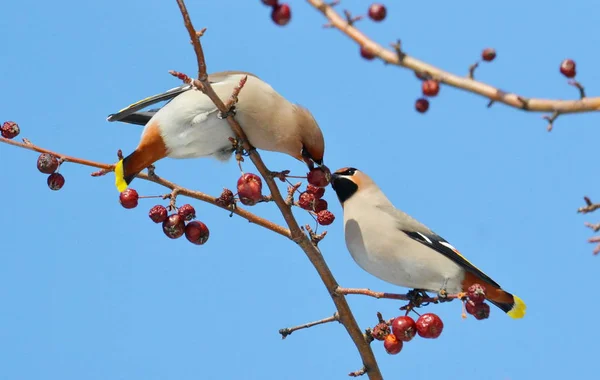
381	249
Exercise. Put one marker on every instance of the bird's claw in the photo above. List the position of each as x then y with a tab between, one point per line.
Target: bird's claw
443	296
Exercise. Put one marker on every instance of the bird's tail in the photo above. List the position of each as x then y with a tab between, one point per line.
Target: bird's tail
127	168
509	303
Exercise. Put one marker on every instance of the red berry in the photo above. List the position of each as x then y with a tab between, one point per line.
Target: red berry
187	212
429	326
129	198
404	327
319	177
173	226
249	188
281	14
197	232
270	3
377	12
320	205
318	192
476	293
47	163
306	201
431	87
380	331
56	181
325	217
422	105
567	68
10	130
366	54
479	311
392	344
488	54
158	213
226	198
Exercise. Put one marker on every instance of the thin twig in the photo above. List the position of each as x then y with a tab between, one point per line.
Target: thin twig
589	206
594	227
395	296
511	99
579	86
551	119
163	182
358	373
289	330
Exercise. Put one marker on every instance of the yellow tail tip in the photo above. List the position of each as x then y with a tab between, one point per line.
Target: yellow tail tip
518	309
120	177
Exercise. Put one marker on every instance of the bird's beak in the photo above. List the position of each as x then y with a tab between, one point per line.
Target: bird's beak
334	178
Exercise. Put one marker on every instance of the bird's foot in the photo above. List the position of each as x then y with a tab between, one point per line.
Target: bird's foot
443	296
415	299
224	115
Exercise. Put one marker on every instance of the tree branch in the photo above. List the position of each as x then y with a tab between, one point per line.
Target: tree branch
494	94
311	251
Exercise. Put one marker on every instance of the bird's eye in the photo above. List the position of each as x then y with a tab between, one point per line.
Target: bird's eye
347	171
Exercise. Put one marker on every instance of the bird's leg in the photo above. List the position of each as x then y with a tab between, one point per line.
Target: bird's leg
415	300
443	294
236	145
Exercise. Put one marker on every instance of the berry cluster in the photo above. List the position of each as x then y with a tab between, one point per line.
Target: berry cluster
310	198
404	328
174	225
475	304
281	14
48	164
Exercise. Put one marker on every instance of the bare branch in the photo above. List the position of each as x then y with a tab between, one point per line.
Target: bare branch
289	330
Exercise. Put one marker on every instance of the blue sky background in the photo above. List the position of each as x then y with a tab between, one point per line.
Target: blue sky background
92	291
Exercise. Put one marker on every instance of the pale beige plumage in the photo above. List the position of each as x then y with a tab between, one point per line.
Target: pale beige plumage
189	127
396	248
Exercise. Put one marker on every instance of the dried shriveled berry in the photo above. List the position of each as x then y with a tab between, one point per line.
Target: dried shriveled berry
10	130
325	217
281	14
319	177
479	311
430	87
249	188
488	54
318	192
377	12
429	326
380	331
173	226
226	198
56	181
568	68
422	105
392	344
306	201
158	213
47	163
187	212
129	198
404	327
476	293
197	232
366	53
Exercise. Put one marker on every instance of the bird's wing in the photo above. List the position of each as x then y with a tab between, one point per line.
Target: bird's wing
419	232
128	114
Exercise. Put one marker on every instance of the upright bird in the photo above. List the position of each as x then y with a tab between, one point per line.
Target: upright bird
396	248
189	125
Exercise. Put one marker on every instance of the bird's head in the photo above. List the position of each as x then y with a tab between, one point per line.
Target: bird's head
348	181
311	138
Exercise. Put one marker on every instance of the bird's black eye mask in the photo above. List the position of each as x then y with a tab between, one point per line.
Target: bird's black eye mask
343	187
347	171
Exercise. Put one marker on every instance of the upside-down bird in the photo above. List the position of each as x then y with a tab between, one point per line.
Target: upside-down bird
190	125
396	248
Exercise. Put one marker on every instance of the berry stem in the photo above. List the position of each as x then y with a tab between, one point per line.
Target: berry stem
285	332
